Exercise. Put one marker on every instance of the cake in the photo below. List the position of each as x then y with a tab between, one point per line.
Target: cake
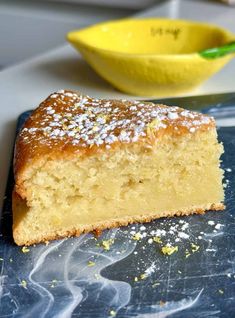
82	164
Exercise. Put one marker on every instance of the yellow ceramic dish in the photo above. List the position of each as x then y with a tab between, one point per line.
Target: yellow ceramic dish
151	57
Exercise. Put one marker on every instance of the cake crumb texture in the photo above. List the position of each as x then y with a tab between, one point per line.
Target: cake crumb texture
84	164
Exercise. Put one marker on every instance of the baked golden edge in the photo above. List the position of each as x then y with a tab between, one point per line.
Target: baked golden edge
112	224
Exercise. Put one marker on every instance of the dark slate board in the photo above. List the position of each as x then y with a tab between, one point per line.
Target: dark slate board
59	282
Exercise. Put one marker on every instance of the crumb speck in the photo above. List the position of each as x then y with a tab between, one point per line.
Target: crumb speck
112	313
211	222
53	283
218	226
155	284
97	276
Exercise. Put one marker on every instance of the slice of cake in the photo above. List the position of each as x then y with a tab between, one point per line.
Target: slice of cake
83	164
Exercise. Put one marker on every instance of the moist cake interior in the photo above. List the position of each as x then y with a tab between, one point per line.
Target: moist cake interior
179	175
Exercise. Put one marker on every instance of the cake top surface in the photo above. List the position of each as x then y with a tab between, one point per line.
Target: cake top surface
85	121
69	121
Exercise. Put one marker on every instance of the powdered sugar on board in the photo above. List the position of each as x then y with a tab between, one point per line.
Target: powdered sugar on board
173	235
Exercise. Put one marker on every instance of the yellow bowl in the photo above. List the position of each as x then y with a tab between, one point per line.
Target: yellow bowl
151	57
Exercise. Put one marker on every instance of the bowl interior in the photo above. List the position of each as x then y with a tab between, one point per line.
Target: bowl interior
151	36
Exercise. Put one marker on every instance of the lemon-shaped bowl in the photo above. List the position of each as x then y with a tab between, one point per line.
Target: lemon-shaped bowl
152	57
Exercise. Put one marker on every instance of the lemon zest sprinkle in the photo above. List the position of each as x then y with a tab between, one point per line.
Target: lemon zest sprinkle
136	236
25	249
106	244
194	247
90	264
143	276
187	254
169	250
157	239
23	283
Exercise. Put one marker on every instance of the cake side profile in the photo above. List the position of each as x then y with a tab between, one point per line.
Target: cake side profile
83	164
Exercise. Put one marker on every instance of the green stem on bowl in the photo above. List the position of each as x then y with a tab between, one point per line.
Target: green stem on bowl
216	52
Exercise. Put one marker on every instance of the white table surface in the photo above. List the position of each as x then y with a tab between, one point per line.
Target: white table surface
22	87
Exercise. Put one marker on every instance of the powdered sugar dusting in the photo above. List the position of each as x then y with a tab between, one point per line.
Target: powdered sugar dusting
81	121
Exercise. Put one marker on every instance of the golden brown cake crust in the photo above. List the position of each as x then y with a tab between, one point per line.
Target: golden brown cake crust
68	124
109	224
